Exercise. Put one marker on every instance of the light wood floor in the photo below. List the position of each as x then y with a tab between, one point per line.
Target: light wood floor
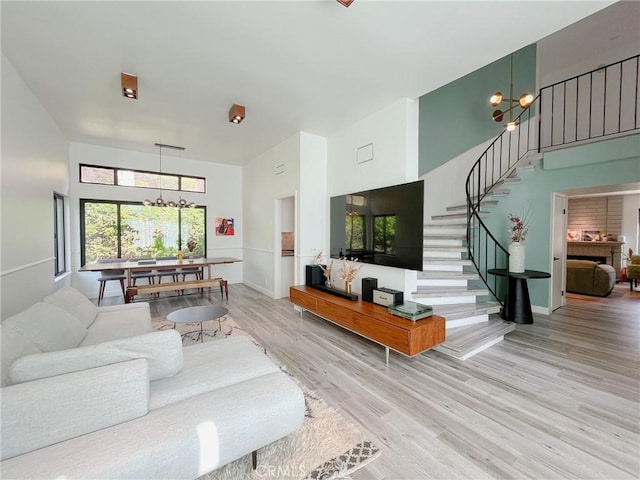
556	399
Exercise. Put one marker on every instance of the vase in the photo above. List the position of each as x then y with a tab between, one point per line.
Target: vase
516	257
347	286
328	283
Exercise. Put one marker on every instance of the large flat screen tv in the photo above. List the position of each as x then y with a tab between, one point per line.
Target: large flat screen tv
382	226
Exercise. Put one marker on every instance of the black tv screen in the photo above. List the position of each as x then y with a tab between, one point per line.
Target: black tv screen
382	226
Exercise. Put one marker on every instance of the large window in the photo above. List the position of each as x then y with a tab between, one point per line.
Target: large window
140	178
59	237
130	230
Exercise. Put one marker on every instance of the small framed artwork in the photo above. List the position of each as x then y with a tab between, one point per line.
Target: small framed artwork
574	235
590	235
225	226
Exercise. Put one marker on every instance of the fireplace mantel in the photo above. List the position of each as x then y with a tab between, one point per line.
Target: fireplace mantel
612	251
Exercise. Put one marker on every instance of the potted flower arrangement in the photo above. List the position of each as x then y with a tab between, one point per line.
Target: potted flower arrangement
518	230
348	272
326	270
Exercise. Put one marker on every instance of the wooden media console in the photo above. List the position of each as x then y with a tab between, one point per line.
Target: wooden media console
372	321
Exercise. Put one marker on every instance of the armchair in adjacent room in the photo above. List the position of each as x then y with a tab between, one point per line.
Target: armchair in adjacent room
633	269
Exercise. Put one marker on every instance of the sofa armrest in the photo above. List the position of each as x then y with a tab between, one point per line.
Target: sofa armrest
44	412
162	350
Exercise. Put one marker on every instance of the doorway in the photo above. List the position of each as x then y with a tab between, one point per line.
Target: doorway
558	250
285	248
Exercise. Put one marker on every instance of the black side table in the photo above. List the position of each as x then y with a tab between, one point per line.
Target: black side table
517	306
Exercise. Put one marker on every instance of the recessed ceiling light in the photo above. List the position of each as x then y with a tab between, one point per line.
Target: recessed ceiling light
129	85
236	113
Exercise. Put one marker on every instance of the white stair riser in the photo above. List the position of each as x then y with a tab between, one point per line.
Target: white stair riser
441	268
436	300
425	282
444	242
445	230
462	322
442	254
482	347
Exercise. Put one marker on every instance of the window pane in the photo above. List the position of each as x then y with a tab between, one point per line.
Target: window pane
132	178
59	234
100	231
191	184
354	239
148	231
193	228
103	176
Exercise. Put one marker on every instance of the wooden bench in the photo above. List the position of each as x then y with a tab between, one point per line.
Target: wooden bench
167	287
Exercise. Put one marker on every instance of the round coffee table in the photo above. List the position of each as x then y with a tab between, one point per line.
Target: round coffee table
199	315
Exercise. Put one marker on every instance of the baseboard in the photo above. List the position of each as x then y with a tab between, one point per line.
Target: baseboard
259	288
541	310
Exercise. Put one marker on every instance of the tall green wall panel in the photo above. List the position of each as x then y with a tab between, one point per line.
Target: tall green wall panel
457	116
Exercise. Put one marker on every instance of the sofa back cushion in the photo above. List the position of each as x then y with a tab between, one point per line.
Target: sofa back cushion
48	326
162	350
13	345
38	414
74	302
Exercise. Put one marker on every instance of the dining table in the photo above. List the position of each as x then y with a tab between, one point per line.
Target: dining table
130	266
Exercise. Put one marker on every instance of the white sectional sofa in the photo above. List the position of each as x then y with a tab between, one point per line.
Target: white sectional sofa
94	392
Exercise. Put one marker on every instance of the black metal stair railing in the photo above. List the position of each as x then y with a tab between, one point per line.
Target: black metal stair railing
493	169
589	107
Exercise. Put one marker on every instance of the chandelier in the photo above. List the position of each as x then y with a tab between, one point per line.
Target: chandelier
525	101
160	202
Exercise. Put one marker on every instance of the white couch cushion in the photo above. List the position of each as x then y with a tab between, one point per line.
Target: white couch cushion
51	410
162	350
119	321
13	345
75	303
210	366
48	326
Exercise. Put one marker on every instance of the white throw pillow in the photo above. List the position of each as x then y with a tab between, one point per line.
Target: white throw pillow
75	303
49	327
162	350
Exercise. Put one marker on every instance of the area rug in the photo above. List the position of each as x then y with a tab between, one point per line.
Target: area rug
326	447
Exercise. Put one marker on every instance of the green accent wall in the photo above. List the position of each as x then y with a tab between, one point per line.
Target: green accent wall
535	191
457	116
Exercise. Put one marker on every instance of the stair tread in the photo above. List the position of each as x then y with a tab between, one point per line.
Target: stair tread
445	261
467	309
444	248
463	340
449	291
484	203
456	215
445	236
444	275
448	225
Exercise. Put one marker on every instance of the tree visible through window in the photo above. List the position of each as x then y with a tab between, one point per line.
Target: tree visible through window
384	234
130	230
354	232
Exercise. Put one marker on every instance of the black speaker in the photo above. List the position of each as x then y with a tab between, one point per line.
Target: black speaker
314	275
368	284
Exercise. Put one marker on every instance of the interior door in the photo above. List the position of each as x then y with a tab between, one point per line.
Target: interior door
558	250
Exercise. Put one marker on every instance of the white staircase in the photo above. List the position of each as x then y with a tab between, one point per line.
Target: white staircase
451	285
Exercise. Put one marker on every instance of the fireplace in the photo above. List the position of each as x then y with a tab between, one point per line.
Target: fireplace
587	257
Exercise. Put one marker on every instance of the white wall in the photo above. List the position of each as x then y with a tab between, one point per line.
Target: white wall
393	132
223	198
34	166
270	176
630	208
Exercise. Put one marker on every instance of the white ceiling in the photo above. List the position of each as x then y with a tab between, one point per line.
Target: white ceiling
311	66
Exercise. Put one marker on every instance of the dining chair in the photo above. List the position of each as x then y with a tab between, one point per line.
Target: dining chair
172	272
110	275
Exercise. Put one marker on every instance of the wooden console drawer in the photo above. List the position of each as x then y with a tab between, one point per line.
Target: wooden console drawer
365	325
302	299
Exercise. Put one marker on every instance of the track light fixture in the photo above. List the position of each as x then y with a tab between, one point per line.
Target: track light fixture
345	3
129	85
160	202
525	101
236	113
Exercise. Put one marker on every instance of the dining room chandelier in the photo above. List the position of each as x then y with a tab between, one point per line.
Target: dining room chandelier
160	202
